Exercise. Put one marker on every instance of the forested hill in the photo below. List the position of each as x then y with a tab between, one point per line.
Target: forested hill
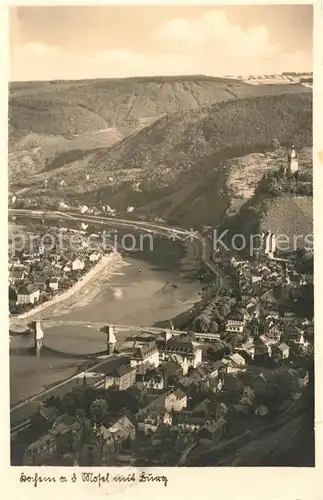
69	108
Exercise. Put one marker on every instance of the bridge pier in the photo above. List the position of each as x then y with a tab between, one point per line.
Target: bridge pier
38	335
111	340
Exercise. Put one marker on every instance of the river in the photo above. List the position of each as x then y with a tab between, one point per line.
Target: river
157	283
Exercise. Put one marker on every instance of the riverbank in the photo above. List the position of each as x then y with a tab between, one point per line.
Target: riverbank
114	260
151	286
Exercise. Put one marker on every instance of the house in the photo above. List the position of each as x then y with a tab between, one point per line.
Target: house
273	332
268	295
40	451
44	418
248	395
143	357
215	384
28	295
245	314
156	403
261	410
114	438
17	276
106	442
94	257
176	401
287	316
150	421
122	378
253	310
245	299
296	335
31	257
309	332
208	407
184	352
211	370
254	327
40	281
213	430
189	423
53	284
78	264
272	315
15	263
153	380
303	378
54	258
261	347
236	363
235	323
67	267
280	351
256	277
62	438
209	375
248	347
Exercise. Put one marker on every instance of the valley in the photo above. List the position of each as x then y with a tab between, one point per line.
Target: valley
193	153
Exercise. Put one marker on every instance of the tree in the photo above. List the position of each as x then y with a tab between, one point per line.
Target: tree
80	413
214	326
99	409
79	396
68	404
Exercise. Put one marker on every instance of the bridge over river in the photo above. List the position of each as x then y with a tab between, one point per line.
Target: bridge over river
52	322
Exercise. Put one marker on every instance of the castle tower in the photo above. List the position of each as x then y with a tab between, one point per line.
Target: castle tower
269	243
111	339
266	241
38	337
272	244
293	161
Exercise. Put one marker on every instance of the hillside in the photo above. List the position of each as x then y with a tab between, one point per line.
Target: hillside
253	209
175	168
67	108
52	124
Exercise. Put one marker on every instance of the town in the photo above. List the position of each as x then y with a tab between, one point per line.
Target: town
245	360
50	261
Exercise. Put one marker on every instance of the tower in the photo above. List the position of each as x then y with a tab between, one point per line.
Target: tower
272	244
111	339
38	337
265	236
269	243
293	161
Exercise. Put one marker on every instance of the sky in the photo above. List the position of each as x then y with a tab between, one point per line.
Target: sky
74	42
